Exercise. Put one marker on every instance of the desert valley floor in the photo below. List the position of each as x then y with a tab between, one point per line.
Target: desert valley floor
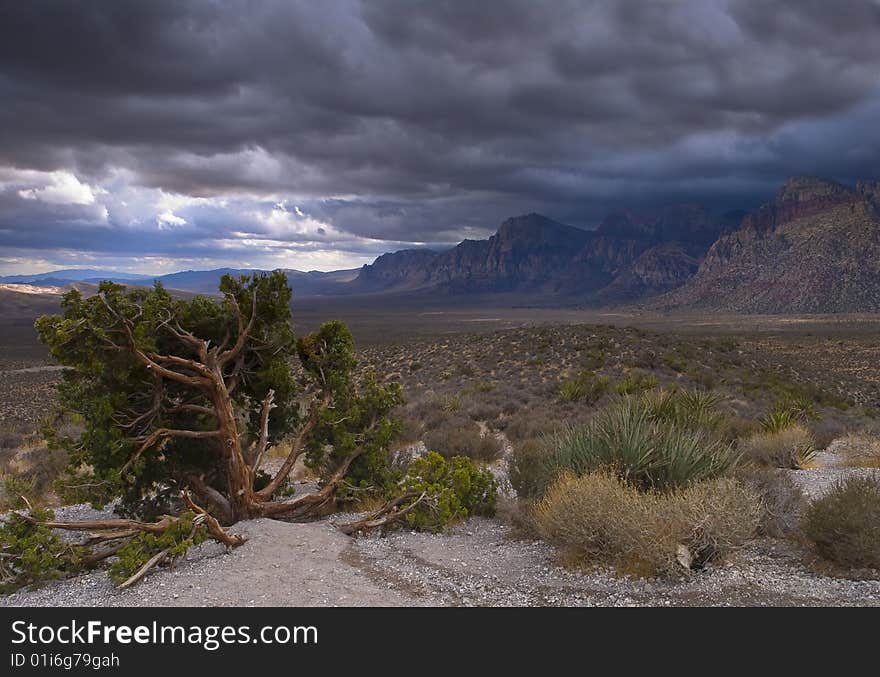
496	374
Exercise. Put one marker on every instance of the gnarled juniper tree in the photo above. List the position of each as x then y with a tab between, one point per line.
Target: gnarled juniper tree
181	399
190	394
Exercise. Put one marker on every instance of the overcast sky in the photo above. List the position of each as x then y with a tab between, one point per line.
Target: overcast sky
158	136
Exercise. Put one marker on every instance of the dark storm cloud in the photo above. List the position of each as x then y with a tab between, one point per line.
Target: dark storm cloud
417	122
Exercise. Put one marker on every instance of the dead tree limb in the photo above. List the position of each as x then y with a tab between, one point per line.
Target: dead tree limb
296	449
388	514
257	455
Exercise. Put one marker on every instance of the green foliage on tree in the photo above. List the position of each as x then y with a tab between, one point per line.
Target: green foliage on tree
174	542
190	393
31	553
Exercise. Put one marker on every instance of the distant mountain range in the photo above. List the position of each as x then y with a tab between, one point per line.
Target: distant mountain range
311	283
628	256
814	248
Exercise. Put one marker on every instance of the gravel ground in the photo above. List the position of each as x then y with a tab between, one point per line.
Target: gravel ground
477	564
281	565
818	481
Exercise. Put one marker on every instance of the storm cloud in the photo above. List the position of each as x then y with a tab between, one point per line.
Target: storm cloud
161	135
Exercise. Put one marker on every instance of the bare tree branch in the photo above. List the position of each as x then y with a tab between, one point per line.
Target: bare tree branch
218	502
159	433
147	361
296	448
243	331
200	345
268	405
386	515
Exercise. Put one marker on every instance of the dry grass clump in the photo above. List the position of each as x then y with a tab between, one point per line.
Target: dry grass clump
599	518
844	525
463	439
791	447
782	500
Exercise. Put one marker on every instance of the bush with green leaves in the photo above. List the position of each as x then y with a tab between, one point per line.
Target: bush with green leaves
691	409
455	489
787	412
170	544
31	554
844	524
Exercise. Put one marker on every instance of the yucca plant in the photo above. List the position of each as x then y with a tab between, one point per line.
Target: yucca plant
585	386
778	420
692	409
637	445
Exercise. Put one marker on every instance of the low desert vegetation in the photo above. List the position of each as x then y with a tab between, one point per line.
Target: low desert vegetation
782	501
600	518
653	441
858	449
650	452
463	439
790	447
844	525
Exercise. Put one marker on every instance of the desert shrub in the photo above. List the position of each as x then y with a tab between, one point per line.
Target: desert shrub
483	411
30	471
792	447
635	383
705	378
526	468
601	518
649	453
646	359
456	487
585	387
675	362
409	429
790	410
12	488
11	438
777	420
593	359
844	525
463	439
530	423
782	501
